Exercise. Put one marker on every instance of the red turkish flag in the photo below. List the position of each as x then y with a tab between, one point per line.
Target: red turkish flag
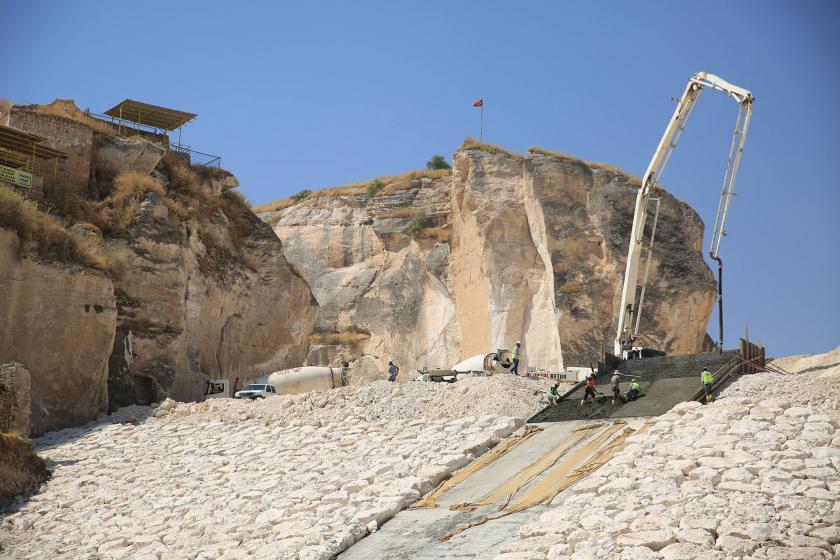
479	103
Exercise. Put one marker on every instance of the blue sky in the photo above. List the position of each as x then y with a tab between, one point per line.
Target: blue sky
309	95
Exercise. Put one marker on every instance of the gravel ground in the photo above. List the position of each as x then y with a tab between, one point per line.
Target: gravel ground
291	477
814	381
499	395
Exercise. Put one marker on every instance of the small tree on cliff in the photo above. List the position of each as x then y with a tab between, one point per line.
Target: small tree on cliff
374	187
301	195
415	225
437	162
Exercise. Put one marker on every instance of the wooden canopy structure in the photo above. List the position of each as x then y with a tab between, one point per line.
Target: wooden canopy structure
22	151
146	114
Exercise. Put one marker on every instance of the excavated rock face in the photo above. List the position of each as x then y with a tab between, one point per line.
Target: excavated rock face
58	321
584	215
529	248
190	309
377	266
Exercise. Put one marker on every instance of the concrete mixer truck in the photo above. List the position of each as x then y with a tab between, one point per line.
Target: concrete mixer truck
285	382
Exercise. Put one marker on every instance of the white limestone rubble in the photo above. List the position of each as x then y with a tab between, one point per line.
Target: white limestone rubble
280	478
755	475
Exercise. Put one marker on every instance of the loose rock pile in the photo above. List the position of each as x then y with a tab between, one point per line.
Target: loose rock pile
814	382
744	477
288	477
499	395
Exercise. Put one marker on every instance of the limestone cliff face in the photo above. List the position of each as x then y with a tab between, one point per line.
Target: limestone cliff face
58	320
528	248
190	310
196	286
378	269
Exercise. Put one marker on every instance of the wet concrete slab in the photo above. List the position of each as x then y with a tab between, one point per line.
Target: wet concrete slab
413	534
660	396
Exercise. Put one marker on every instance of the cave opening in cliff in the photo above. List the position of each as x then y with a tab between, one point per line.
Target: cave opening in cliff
144	389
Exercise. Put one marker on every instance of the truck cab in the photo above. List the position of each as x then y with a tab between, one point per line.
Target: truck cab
217	389
256	391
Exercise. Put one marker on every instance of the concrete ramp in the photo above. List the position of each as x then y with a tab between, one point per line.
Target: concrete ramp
665	381
418	533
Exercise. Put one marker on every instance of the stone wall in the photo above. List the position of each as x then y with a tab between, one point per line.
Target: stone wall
72	137
15	402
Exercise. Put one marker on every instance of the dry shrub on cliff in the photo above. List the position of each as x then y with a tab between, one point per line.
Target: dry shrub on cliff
197	196
347	337
120	207
568	158
399	213
473	144
404	181
53	240
381	186
206	173
274	206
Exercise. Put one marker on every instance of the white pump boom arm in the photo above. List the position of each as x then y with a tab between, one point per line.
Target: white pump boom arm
650	182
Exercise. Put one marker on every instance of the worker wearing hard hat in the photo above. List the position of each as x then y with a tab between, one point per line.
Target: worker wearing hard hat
708	379
553	394
516	355
615	382
635	391
589	388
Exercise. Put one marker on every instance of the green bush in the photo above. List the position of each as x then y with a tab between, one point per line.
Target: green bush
374	187
415	225
437	162
301	195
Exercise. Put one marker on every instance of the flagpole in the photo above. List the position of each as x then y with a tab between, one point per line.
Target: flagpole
481	129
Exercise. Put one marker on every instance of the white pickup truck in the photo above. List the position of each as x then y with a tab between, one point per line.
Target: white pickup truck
256	391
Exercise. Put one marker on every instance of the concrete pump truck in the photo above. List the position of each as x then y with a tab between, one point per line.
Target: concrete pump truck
632	297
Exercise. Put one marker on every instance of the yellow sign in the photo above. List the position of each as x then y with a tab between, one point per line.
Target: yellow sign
15	176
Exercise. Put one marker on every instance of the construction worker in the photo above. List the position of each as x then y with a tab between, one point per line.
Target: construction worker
553	395
516	355
392	371
708	379
615	382
589	388
635	391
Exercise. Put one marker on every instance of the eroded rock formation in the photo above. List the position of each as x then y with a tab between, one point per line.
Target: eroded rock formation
189	283
189	309
507	247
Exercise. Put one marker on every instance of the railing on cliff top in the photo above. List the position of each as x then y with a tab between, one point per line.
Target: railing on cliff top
193	157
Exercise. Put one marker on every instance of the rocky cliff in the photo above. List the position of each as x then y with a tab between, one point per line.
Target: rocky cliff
438	266
58	320
193	305
137	276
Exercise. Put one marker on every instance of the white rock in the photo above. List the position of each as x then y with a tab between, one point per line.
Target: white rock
759	531
735	547
830	534
697	536
653	539
796	553
681	551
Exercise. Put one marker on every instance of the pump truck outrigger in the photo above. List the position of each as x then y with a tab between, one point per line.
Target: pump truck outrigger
626	332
